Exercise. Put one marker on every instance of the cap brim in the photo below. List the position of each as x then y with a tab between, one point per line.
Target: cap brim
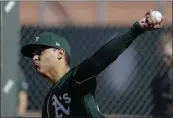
28	50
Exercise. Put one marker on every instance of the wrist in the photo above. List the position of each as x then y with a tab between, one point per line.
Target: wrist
137	29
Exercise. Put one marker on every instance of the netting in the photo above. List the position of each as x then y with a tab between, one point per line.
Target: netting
125	87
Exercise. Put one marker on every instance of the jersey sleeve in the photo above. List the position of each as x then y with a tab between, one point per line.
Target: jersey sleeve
108	53
23	85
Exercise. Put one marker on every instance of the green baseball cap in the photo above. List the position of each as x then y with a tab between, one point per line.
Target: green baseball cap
46	39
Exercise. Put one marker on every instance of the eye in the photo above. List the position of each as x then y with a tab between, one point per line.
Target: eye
39	51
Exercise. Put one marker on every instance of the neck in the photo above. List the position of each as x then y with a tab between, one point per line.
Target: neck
56	74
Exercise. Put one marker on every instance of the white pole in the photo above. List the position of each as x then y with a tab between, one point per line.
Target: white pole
101	12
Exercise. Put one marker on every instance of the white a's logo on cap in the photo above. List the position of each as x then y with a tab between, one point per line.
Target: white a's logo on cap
57	44
36	39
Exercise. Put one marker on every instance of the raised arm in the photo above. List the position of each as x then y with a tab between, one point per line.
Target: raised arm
108	53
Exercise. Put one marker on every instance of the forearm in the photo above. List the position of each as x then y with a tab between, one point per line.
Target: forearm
108	53
22	107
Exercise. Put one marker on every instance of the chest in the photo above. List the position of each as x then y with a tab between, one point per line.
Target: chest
66	99
62	101
59	100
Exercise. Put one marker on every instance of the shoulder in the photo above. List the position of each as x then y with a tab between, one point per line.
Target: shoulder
66	79
73	71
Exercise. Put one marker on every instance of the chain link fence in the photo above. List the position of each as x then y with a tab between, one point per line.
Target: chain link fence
125	87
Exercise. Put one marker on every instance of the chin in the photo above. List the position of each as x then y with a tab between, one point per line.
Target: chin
39	71
42	73
45	76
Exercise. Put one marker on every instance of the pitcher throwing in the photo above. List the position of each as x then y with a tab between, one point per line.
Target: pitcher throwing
73	89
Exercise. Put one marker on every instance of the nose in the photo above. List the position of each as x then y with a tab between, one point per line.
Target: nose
35	58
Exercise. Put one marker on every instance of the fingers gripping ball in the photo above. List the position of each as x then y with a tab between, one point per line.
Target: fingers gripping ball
156	17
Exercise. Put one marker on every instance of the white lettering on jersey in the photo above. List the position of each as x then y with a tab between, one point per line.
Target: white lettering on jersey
66	98
58	106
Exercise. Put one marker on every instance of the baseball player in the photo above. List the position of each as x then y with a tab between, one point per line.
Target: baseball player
73	89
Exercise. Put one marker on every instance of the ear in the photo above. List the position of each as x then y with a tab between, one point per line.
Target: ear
61	53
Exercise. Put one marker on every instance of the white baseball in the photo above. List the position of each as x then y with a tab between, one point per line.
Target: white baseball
156	16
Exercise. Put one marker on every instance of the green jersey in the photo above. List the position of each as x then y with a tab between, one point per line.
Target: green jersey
74	94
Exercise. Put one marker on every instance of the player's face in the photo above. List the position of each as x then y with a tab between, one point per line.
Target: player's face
44	59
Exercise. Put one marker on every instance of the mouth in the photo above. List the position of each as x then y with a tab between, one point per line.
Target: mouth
36	66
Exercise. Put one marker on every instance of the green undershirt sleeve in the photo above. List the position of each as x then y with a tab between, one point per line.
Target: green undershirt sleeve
108	53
